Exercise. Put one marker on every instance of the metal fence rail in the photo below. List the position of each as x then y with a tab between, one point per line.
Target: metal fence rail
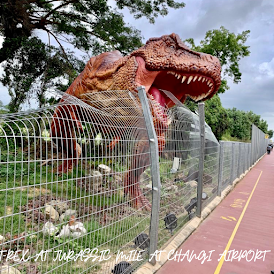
77	180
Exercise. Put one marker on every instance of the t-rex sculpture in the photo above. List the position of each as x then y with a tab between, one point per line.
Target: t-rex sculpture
164	63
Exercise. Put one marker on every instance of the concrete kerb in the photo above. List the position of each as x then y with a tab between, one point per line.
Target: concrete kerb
191	226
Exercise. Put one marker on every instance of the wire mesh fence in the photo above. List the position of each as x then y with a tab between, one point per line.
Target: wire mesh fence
237	157
77	181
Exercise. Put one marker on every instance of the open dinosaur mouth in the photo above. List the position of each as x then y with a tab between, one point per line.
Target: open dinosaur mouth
196	83
181	85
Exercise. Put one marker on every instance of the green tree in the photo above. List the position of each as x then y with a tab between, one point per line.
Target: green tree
228	47
216	116
3	108
88	25
263	126
240	125
241	121
270	133
253	118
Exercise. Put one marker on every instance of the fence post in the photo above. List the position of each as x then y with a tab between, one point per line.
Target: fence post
201	158
250	155
155	173
246	165
220	175
232	164
239	162
252	146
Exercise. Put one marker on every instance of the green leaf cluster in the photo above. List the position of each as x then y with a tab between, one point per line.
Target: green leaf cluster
240	123
32	66
228	47
232	124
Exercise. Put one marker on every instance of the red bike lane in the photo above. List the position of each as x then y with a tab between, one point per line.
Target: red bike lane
242	227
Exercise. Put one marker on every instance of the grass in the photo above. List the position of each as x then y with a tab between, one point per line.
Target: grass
228	137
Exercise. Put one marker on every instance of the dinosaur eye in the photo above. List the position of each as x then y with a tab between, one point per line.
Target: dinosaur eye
172	46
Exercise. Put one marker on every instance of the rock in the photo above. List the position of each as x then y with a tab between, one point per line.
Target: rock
77	229
96	177
105	170
118	181
7	269
33	236
65	232
192	184
59	205
91	182
149	186
51	213
144	178
68	213
49	229
2	239
62	207
172	187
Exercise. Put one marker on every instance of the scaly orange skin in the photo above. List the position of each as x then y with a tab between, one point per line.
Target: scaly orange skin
112	71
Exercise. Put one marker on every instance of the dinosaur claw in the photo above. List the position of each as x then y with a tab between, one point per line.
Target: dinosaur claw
66	167
139	201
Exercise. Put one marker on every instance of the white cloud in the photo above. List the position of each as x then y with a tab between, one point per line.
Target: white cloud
267	68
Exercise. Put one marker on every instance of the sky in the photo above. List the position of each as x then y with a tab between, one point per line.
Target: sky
255	92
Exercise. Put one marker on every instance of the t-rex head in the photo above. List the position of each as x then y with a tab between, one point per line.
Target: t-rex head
162	63
167	63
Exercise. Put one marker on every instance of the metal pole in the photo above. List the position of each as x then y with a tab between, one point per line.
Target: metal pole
232	164
252	146
201	158
155	173
246	163
249	153
221	162
239	161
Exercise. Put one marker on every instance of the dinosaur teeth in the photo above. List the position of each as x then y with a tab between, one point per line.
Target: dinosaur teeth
200	97
183	79
210	85
189	79
178	76
208	92
203	79
199	78
195	78
171	72
208	82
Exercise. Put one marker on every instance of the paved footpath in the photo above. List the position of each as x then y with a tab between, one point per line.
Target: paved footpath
242	225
